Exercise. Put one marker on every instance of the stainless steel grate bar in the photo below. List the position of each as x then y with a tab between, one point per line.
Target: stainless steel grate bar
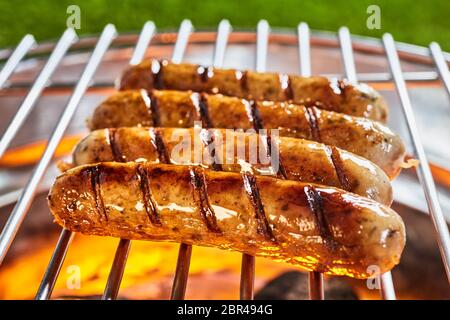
181	272
184	33
21	50
315	286
441	64
262	44
248	261
64	43
423	170
385	281
184	253
387	77
345	42
146	35
223	32
247	283
27	196
304	49
118	267
315	279
387	290
120	258
54	267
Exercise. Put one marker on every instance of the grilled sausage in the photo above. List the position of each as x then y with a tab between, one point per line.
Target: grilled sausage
363	137
226	150
314	227
334	95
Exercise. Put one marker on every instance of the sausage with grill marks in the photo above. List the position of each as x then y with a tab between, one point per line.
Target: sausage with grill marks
334	95
294	159
368	139
314	227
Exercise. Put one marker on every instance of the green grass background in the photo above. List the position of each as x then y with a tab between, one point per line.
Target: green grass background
411	21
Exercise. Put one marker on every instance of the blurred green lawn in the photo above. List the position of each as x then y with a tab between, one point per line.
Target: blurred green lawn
417	22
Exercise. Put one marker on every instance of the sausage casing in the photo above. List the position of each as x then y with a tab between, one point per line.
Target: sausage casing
368	139
314	227
227	150
334	95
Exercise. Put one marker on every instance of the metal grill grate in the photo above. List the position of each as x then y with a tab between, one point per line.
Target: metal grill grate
109	33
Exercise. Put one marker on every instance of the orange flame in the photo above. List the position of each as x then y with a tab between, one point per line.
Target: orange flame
214	274
31	153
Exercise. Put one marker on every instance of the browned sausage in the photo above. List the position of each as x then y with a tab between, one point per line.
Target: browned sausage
334	95
314	227
368	139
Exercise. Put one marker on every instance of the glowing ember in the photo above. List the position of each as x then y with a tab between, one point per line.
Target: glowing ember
214	274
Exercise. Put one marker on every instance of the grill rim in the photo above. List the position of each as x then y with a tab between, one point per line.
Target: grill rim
318	38
407	52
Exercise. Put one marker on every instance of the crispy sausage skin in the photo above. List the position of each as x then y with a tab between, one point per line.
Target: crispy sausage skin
368	139
314	227
334	95
219	149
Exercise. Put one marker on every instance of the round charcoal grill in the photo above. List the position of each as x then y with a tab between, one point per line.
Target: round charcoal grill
74	72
